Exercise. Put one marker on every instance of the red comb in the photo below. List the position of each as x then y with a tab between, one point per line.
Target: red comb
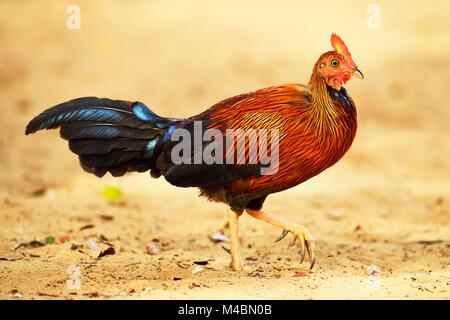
340	47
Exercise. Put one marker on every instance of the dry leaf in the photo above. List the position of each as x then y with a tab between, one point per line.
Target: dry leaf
87	226
29	245
106	217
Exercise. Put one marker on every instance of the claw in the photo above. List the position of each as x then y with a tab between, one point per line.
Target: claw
302	251
302	257
292	243
311	254
305	242
226	250
312	263
283	234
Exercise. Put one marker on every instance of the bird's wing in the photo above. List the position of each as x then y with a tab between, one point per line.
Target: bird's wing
272	109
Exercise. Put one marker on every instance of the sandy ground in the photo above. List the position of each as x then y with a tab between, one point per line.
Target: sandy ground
380	216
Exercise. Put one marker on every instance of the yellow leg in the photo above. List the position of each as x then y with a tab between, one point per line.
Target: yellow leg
236	262
299	232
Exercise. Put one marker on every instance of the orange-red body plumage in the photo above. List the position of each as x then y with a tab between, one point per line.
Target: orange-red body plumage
313	134
312	138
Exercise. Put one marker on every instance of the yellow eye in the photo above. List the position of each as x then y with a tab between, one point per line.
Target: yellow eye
335	63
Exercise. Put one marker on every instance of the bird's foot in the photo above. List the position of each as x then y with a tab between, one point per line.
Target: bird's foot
306	242
241	269
237	265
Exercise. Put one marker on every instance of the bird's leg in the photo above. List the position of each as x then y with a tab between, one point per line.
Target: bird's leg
299	232
236	263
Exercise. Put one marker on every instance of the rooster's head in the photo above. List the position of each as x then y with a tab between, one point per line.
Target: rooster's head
337	67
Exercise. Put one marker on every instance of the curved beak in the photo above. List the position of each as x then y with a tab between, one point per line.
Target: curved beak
357	73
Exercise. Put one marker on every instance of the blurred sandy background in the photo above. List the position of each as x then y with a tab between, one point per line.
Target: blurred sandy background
386	204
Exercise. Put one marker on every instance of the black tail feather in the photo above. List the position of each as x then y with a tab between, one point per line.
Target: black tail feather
108	135
85	147
88	108
110	159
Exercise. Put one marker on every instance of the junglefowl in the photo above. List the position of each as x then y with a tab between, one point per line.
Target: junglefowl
315	125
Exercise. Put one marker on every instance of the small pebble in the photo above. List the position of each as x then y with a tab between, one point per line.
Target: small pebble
153	248
218	237
197	269
336	214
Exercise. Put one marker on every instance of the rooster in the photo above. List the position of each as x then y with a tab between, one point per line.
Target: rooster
315	125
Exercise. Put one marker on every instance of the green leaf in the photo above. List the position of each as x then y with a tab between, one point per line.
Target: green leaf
112	194
50	240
